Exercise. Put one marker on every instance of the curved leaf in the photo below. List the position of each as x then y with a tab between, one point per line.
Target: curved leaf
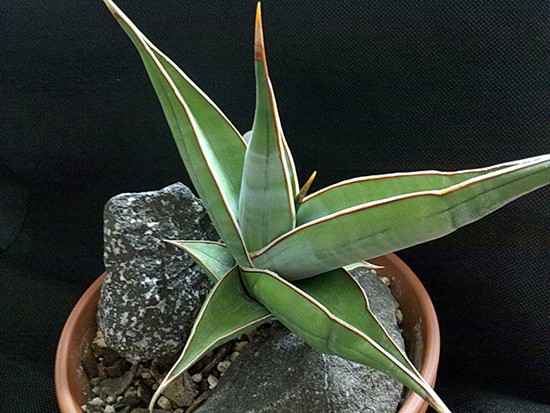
357	191
211	148
391	224
226	313
323	330
214	258
266	204
344	297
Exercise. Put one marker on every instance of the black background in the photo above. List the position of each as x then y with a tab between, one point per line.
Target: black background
363	87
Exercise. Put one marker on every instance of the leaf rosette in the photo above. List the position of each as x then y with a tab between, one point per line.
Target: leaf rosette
286	254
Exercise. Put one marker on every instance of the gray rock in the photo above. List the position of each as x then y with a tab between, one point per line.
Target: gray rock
182	390
152	289
118	385
279	373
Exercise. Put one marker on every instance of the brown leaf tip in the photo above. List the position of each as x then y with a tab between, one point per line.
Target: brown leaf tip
305	189
259	48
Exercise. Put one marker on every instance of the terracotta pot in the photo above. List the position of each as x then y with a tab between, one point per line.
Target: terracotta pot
420	328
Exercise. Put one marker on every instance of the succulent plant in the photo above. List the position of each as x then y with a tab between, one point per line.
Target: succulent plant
286	254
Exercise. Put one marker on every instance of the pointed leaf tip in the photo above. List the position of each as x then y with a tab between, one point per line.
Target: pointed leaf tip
259	47
305	189
112	7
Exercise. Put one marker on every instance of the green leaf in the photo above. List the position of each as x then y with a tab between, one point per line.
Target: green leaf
325	331
357	191
379	227
226	313
214	258
266	207
211	148
343	296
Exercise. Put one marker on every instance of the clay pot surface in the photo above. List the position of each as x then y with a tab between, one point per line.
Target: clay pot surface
420	329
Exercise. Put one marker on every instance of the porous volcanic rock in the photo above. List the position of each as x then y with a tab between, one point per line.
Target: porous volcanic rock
279	373
152	289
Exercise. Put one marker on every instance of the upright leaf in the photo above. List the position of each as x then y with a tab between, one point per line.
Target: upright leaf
226	313
266	205
325	331
214	258
211	148
376	228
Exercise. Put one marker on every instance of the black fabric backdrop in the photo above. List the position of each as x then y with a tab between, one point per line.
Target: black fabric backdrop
363	87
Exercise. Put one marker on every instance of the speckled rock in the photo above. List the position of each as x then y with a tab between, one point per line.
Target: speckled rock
152	289
279	373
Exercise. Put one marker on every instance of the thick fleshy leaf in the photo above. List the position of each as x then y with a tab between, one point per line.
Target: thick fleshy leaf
357	191
214	258
226	313
266	205
325	331
379	227
211	148
344	297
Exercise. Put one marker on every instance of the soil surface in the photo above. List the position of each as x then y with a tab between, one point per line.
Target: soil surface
118	386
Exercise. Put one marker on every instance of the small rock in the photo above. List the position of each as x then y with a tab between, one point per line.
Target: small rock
178	411
197	378
140	410
100	342
92	408
110	357
240	346
102	373
89	363
164	403
182	390
109	409
114	387
385	280
111	399
84	408
97	401
94	381
117	368
132	401
132	391
223	366
212	381
234	356
399	316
